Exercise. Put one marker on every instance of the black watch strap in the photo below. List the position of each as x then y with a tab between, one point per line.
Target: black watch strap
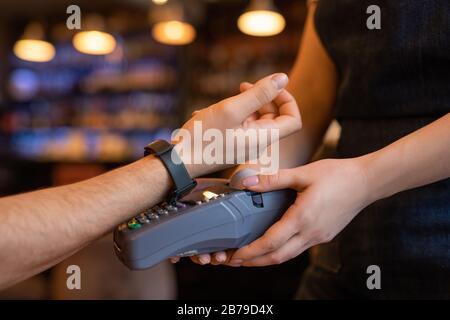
182	181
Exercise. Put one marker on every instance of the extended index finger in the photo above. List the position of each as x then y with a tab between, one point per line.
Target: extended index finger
261	93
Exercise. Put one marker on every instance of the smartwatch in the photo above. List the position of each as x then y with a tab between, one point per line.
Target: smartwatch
182	181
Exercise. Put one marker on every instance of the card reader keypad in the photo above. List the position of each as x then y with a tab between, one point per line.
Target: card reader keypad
162	210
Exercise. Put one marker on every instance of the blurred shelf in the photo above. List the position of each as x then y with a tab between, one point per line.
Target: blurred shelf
83	145
85	108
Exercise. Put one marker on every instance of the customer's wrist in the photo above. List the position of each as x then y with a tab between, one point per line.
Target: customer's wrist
194	169
151	165
198	170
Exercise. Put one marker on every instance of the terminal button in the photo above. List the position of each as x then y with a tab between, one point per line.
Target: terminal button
142	219
257	200
133	224
152	216
171	208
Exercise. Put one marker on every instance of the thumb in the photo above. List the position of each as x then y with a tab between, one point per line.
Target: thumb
282	179
279	180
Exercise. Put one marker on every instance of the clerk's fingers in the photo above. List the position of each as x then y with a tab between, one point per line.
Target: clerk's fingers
222	257
251	100
202	259
174	259
291	249
218	258
275	237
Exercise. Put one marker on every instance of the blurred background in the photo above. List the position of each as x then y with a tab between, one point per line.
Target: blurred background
75	103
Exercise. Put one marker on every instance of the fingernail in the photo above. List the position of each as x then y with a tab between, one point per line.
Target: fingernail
280	80
236	262
234	265
221	257
203	259
250	181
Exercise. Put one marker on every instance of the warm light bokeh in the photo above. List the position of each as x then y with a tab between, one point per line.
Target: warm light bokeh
261	23
174	32
34	50
159	1
94	42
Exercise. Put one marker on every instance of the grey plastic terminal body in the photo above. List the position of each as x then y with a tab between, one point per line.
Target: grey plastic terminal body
229	219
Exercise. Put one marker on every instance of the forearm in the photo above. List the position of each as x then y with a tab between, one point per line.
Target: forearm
419	158
313	83
298	148
39	229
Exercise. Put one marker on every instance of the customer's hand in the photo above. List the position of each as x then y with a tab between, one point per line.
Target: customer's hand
264	105
330	194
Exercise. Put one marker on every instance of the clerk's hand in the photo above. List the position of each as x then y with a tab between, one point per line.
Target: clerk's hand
330	194
264	105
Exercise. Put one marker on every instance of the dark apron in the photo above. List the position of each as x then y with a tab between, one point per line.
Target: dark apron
393	81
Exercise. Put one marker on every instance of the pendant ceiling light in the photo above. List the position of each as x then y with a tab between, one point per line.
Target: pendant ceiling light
174	32
32	46
261	19
171	27
94	40
159	1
